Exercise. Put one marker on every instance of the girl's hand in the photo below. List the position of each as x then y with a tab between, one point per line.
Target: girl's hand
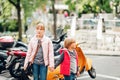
24	67
28	64
51	69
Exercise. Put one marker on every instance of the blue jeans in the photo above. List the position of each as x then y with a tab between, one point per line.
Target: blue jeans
70	77
39	71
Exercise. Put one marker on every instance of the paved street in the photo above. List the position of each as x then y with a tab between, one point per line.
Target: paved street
107	68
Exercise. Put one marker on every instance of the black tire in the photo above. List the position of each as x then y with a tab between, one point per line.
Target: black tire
60	79
82	71
92	73
16	73
2	64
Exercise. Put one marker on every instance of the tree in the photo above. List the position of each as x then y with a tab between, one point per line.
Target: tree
55	19
28	7
104	6
31	7
18	8
89	6
5	14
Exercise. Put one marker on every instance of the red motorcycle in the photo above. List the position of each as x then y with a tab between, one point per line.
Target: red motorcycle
18	57
7	43
16	69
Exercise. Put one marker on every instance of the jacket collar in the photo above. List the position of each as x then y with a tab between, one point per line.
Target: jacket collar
41	39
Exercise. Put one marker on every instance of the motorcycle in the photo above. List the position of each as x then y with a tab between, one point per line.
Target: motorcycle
7	42
15	68
6	61
57	43
3	57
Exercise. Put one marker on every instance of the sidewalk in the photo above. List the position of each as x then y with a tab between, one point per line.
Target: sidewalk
102	52
4	78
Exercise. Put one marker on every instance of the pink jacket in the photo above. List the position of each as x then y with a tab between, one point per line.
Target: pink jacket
65	65
47	46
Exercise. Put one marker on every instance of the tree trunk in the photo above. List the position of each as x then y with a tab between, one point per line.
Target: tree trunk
17	6
55	19
19	24
19	20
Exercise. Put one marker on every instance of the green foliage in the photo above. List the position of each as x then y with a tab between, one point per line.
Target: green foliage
6	8
32	5
27	6
90	6
71	5
12	25
5	13
9	25
66	28
104	6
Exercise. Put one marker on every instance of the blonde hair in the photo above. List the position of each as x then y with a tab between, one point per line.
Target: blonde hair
68	42
40	26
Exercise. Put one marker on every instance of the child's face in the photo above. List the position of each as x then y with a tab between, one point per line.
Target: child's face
73	45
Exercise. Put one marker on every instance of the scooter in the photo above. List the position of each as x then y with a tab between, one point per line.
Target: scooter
84	63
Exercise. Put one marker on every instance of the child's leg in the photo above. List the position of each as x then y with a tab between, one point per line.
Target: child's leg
66	77
70	77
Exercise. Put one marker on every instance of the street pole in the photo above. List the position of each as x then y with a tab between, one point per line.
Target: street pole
73	26
99	28
73	23
55	19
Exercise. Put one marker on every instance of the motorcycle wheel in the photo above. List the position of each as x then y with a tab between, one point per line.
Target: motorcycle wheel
16	69
2	64
92	73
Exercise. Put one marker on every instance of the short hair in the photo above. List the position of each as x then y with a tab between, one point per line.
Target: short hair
40	26
68	42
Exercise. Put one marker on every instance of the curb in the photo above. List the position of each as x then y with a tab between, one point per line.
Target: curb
101	53
4	78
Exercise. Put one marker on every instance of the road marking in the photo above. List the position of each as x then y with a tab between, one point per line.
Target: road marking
100	75
106	76
83	77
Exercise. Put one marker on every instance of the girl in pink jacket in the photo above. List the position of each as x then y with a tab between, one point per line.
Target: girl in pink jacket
40	54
